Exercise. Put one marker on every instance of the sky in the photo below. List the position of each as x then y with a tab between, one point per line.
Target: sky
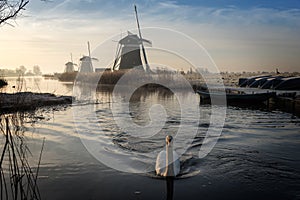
247	35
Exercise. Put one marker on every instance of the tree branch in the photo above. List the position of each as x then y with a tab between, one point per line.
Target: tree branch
9	10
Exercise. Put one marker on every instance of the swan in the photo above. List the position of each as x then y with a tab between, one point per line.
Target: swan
167	161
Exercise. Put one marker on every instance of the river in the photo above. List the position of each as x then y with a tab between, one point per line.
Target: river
257	155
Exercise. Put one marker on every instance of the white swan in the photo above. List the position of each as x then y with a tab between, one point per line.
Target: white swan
167	162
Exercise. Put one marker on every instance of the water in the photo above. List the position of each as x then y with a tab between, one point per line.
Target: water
257	155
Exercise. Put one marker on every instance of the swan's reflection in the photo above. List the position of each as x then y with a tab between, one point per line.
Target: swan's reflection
170	187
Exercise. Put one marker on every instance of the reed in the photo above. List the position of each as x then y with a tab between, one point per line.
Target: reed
18	179
67	76
137	77
133	76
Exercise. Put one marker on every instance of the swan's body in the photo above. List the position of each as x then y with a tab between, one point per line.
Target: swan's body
160	166
167	162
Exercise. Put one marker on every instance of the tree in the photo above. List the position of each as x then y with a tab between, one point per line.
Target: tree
37	70
10	9
21	70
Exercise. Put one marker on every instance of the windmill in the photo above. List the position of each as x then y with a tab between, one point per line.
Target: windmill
86	64
70	66
128	54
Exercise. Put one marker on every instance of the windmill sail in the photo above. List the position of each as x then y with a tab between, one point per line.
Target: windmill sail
140	34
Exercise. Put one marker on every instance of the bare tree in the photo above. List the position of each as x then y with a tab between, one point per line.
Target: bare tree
10	9
21	70
37	70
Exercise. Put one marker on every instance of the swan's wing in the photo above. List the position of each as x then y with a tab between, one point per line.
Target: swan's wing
160	166
176	163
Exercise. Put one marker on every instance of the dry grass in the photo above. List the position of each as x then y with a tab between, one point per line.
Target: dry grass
133	77
68	77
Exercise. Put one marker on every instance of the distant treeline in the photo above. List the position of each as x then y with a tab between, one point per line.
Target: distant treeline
21	71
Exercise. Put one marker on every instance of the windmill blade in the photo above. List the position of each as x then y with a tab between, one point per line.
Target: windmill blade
89	48
82	58
129	33
96	59
147	42
140	34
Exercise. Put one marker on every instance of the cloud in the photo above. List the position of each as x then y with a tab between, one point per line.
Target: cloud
227	31
168	11
169	4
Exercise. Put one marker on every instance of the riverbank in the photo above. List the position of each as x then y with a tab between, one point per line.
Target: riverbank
2	83
30	101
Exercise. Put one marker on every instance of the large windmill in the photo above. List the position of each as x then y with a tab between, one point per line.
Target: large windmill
86	64
129	50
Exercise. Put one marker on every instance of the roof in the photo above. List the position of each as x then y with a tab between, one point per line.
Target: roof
132	39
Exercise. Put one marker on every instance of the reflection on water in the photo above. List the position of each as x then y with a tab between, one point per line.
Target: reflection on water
97	125
18	178
37	84
170	188
257	148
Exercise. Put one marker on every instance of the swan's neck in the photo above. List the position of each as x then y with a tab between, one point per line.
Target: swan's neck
169	160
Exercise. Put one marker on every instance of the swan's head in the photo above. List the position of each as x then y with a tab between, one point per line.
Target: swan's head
169	139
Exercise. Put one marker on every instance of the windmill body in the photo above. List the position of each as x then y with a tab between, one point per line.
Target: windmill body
69	67
129	52
86	64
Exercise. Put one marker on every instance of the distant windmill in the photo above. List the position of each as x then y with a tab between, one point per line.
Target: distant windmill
86	64
70	66
129	48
